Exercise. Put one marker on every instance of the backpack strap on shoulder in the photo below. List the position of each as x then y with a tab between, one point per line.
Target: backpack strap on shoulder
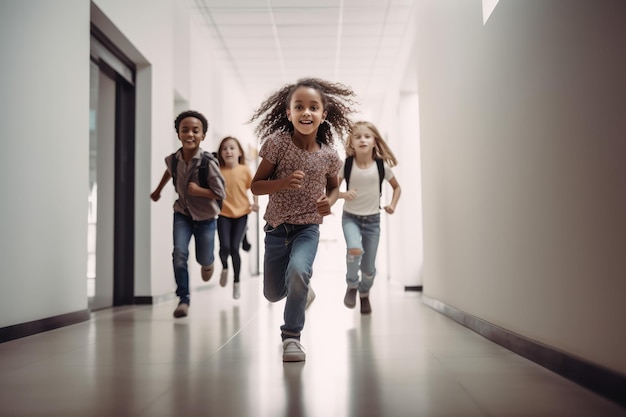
347	168
381	174
203	171
175	166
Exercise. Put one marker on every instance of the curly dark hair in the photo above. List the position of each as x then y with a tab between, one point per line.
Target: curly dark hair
336	100
192	113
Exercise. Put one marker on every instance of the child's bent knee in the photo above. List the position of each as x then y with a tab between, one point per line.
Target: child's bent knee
355	251
272	296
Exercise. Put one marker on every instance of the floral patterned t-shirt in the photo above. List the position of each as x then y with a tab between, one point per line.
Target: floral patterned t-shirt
298	206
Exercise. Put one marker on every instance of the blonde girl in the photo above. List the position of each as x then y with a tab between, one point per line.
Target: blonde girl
370	160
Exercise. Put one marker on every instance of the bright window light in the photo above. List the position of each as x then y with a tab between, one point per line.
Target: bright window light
488	6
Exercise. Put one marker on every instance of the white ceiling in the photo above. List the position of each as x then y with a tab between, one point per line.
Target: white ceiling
273	42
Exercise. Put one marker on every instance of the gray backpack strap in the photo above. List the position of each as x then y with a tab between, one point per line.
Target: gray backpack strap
175	166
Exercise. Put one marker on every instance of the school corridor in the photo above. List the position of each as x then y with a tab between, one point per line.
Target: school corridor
501	279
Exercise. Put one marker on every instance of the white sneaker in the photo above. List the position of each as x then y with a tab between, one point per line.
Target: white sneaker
310	296
293	351
236	291
223	277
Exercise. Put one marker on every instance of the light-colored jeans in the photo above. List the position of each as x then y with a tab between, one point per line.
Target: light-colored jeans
290	250
361	232
204	235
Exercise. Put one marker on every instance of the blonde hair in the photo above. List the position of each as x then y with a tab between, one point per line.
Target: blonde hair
381	149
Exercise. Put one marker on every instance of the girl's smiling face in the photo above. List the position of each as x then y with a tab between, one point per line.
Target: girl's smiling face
230	152
362	140
306	110
190	133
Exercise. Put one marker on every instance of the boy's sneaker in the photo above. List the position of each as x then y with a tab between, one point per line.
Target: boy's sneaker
310	296
293	351
236	291
181	310
224	277
207	272
350	298
366	308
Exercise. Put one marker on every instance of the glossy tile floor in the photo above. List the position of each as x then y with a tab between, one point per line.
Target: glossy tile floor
225	360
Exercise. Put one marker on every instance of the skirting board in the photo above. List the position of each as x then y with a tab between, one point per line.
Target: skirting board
603	381
153	299
162	298
33	327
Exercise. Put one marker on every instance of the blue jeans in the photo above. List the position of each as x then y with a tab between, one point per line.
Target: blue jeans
204	236
230	232
361	232
290	250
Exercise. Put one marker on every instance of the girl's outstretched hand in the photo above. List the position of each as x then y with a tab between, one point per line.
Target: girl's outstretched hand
323	205
294	181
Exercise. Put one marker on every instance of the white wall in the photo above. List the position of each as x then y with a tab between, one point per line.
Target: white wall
523	149
401	256
406	254
44	126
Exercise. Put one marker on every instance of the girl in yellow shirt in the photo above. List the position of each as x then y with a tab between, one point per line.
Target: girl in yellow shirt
233	219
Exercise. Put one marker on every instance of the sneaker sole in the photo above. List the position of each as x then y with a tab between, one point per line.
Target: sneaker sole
180	313
294	358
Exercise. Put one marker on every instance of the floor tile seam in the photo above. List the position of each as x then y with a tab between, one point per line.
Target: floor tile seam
473	399
245	325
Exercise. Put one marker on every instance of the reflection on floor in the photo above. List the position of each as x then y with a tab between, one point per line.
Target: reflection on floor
225	360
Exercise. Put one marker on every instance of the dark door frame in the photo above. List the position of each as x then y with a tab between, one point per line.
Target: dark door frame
124	205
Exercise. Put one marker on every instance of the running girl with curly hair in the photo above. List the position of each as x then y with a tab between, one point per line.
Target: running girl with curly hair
298	171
